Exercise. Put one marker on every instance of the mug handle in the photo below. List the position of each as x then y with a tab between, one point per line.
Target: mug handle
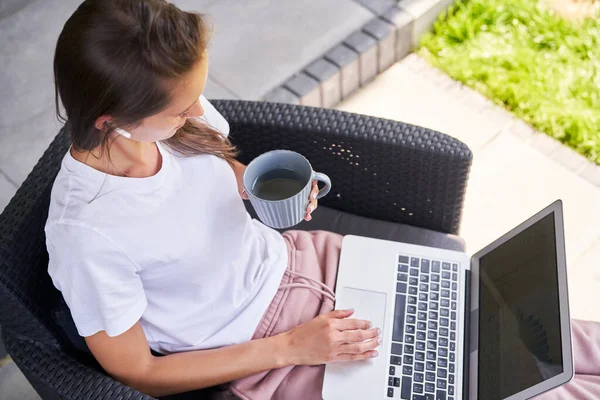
325	179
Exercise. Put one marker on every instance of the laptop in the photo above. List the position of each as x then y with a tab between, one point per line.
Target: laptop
490	327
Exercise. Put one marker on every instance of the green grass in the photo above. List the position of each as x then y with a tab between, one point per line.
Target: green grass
523	56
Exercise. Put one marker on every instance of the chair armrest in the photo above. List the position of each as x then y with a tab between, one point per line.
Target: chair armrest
379	168
55	375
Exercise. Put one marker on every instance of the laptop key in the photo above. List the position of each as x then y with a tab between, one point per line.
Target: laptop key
396	360
422	306
401	287
418	397
453	315
429	396
435	286
440	395
411	319
420	345
442	362
391	381
424	278
407	370
411	309
420	335
402	268
431	335
435	266
398	330
451	390
434	296
444	312
403	277
423	296
452	346
454	267
431	355
432	325
442	373
433	315
441	384
445	275
444	322
392	370
446	266
454	286
452	357
413	281
453	336
410	339
412	299
418	377
422	317
444	342
454	276
453	296
443	352
403	259
419	356
444	332
431	345
414	272
435	278
410	329
430	376
429	387
412	290
430	366
451	368
397	349
397	382
445	293
406	386
425	266
419	366
423	287
445	303
414	262
453	306
390	392
451	379
446	284
453	325
418	388
408	349
433	305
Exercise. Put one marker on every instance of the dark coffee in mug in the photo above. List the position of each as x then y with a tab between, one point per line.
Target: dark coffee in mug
278	184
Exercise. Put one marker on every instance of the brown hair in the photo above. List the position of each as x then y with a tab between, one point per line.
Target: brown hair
117	58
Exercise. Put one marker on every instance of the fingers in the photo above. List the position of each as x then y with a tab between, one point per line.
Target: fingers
341	313
360	335
244	194
313	201
352	323
356	357
359	348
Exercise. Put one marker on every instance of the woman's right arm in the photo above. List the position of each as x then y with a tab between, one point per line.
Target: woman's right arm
327	338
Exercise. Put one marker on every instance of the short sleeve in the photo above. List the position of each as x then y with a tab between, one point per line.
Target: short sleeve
99	283
213	117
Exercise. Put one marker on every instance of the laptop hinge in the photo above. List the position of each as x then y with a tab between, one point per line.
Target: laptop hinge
467	340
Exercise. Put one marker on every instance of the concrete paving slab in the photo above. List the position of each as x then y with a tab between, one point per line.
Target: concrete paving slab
266	33
14	385
215	90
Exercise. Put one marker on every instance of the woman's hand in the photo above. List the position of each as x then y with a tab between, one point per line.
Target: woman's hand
329	338
312	205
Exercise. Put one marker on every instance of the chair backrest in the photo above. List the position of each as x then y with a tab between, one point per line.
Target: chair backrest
30	306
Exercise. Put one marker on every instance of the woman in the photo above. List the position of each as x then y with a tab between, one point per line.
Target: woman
148	238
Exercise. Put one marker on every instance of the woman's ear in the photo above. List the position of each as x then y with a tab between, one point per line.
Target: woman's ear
100	123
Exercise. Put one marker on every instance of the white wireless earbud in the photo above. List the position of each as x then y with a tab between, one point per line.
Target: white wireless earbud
123	133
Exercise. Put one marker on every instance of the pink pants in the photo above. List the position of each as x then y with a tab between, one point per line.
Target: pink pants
306	290
586	353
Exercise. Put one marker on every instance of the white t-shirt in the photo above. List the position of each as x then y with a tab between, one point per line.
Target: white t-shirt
176	251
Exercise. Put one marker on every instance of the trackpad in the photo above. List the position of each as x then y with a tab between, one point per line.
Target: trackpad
367	305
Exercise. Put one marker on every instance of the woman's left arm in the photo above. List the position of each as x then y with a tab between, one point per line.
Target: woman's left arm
239	168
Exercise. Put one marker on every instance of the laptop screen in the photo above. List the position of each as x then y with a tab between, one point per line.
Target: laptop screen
519	322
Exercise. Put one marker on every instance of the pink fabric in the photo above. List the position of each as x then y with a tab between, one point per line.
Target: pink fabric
586	354
306	290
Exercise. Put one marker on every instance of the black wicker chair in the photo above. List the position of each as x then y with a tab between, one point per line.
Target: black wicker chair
390	180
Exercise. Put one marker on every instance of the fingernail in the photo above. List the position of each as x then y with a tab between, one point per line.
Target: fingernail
311	208
379	340
313	196
378	332
375	354
369	324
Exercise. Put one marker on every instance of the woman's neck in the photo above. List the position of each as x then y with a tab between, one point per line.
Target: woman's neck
127	158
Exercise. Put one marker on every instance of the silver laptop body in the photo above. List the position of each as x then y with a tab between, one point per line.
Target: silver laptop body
492	326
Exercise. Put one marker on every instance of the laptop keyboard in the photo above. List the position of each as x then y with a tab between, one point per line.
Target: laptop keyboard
423	354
